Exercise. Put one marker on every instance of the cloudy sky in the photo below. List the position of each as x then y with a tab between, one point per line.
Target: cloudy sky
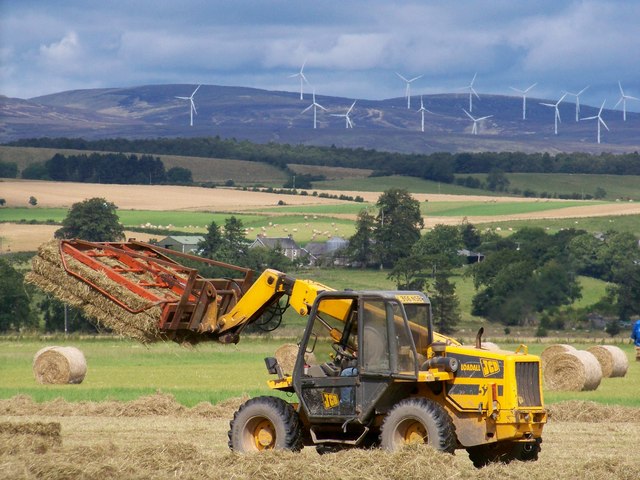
352	48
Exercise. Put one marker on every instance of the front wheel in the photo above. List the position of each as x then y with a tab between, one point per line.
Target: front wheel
418	420
265	423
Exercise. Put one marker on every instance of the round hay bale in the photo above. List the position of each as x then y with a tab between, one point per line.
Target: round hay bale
490	346
553	350
286	356
59	365
613	360
573	371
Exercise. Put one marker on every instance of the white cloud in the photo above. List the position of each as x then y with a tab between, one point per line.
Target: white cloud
350	47
62	53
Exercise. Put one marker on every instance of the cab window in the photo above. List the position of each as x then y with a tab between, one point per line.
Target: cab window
334	332
375	337
402	339
418	315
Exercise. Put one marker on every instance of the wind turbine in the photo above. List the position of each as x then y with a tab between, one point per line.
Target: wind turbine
347	122
472	92
192	106
524	99
577	95
315	106
623	99
422	110
600	121
474	130
407	91
302	78
557	111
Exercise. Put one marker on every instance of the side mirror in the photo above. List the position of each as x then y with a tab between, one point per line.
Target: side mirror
273	367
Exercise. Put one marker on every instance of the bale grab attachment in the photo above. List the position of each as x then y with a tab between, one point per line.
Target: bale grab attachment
137	277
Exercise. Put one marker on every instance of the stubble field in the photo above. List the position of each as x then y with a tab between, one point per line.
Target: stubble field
152	435
147	440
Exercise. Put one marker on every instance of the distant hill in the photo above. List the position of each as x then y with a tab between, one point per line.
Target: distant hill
271	116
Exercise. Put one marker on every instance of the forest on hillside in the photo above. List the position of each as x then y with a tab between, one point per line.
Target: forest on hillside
440	167
116	168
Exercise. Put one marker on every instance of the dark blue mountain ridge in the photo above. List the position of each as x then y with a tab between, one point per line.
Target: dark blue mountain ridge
261	116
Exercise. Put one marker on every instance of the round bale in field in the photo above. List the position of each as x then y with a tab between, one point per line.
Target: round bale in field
572	371
553	350
287	355
613	360
490	346
59	365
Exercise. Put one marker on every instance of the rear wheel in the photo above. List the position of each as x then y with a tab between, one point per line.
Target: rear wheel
265	423
418	420
505	452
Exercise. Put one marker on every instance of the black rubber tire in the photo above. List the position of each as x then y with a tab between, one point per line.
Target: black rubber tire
265	423
418	420
526	452
505	452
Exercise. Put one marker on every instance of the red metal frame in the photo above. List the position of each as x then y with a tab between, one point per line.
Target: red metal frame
183	293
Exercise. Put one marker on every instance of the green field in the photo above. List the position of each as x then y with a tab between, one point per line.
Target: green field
215	170
471	209
620	223
412	184
124	370
129	218
272	225
442	209
616	186
339	209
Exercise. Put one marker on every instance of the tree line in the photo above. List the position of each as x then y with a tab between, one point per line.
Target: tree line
115	168
441	167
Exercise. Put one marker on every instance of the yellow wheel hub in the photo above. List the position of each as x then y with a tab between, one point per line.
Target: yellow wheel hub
264	435
415	433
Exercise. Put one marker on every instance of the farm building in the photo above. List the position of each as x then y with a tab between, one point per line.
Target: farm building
181	243
329	251
289	247
472	257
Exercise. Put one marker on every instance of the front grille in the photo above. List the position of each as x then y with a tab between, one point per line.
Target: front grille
528	379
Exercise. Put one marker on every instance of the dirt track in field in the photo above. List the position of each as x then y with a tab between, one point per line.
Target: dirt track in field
155	437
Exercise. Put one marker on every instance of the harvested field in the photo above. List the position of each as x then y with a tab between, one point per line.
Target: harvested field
148	197
160	439
158	404
28	437
18	237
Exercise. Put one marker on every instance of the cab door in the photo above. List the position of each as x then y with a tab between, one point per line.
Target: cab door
327	383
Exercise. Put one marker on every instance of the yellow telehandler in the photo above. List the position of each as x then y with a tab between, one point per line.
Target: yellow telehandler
370	369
